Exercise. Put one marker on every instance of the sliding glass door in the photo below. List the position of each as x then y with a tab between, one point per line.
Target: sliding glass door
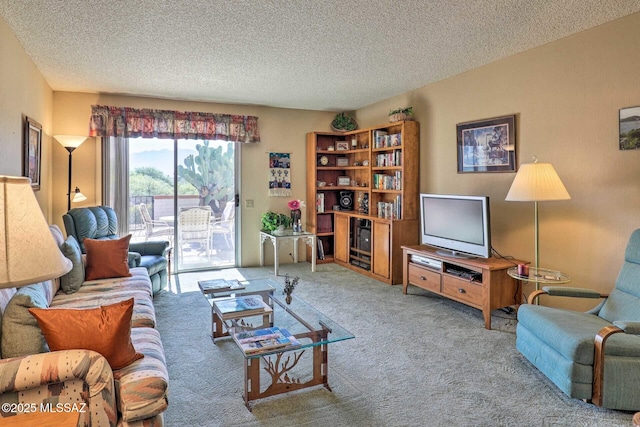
185	191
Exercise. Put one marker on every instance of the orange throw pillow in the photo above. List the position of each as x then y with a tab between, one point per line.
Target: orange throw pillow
107	258
105	329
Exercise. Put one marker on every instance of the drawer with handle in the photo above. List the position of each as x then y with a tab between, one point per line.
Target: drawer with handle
463	290
424	278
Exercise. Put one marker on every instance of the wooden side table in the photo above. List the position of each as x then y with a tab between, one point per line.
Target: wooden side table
636	420
42	419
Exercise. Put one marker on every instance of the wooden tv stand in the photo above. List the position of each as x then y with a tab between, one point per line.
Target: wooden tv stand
482	283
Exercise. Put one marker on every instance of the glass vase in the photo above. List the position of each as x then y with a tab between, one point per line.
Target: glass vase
296	217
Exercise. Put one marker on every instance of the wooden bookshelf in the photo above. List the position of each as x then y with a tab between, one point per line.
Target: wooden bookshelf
379	171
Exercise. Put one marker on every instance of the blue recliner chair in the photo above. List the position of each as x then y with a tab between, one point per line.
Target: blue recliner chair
101	222
593	356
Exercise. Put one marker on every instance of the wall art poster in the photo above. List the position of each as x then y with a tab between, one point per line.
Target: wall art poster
280	174
32	151
630	128
487	145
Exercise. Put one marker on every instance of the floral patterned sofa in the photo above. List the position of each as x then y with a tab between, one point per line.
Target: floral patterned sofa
30	375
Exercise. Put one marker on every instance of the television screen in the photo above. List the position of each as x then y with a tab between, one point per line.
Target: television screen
457	224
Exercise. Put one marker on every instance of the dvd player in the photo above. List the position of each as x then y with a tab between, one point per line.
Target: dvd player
427	262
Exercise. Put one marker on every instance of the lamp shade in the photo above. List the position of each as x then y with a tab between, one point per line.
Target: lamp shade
70	141
28	252
537	182
78	196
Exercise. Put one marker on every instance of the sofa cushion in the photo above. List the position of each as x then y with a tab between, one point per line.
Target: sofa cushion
21	334
95	222
72	281
107	258
622	303
108	291
153	263
572	334
142	386
105	329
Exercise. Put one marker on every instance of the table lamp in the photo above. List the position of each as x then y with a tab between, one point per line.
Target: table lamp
537	182
70	143
28	252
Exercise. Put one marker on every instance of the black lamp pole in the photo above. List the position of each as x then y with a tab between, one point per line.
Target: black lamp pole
70	150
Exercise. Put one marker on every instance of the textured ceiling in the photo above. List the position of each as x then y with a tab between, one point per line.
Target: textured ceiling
314	54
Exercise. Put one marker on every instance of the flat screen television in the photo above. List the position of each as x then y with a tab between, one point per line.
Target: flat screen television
458	225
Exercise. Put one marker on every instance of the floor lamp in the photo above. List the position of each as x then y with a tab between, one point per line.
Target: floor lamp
29	253
71	142
537	182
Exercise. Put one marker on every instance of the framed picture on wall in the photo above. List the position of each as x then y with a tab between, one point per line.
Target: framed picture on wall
32	152
487	145
630	128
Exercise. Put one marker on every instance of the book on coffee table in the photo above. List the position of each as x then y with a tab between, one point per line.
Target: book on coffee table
244	306
219	285
262	340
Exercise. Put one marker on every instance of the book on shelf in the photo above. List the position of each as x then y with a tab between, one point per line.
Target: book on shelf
381	139
244	306
320	202
390	210
320	249
378	138
267	339
219	285
324	224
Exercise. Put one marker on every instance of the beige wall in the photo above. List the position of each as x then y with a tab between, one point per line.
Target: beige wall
566	96
23	93
280	130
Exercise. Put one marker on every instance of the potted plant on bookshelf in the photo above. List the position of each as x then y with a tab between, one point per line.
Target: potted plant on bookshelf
275	222
343	123
400	114
289	286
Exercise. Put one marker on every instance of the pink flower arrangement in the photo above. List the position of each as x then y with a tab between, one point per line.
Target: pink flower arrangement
295	204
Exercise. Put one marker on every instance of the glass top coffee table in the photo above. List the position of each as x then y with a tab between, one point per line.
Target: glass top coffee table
311	328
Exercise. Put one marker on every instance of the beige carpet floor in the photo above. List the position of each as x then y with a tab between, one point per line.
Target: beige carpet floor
417	360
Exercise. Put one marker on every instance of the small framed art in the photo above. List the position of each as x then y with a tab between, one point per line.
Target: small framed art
342	161
344	181
342	145
487	145
630	128
32	152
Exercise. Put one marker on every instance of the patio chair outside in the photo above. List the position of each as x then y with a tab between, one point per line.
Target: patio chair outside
152	227
194	226
225	226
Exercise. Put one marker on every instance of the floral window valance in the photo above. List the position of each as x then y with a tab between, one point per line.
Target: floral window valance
133	123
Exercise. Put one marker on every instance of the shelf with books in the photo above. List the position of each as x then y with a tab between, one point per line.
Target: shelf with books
382	170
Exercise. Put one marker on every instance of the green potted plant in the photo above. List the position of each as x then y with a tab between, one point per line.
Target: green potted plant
343	123
271	221
400	114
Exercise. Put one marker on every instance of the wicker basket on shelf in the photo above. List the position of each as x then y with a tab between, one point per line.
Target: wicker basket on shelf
401	114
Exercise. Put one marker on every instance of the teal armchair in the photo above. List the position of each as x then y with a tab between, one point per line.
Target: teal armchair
101	222
594	356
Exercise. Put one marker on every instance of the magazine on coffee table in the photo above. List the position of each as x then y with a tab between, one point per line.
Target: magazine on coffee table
244	306
267	339
219	285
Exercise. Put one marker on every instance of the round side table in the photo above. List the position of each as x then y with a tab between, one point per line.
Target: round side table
540	275
636	420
